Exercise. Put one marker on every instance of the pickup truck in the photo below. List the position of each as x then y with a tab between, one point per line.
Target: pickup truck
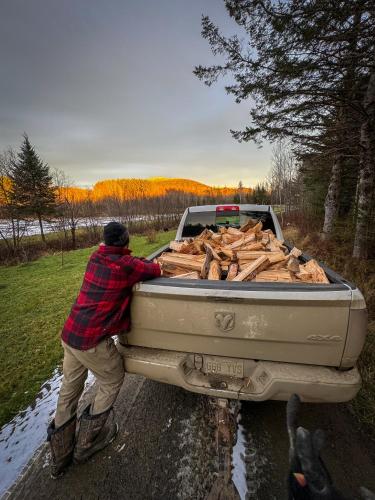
248	340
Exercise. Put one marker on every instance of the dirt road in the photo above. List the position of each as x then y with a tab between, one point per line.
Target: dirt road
165	450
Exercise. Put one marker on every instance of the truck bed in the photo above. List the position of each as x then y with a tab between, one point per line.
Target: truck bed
283	322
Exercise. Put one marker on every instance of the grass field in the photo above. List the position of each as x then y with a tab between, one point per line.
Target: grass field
35	299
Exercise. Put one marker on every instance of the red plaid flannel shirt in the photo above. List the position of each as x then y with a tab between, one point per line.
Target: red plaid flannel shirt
102	307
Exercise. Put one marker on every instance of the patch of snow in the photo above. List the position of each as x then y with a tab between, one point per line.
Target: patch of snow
24	434
239	474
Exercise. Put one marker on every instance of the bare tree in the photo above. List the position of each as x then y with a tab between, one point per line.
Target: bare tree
70	204
282	176
12	226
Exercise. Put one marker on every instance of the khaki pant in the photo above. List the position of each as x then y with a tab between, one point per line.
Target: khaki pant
105	362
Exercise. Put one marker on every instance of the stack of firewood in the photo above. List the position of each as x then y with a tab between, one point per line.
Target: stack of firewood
245	254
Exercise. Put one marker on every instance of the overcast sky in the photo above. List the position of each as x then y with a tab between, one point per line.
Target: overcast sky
104	89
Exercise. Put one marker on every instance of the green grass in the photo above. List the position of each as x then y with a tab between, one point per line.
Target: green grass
35	299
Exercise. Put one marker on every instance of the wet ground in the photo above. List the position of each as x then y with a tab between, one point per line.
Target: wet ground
165	450
21	438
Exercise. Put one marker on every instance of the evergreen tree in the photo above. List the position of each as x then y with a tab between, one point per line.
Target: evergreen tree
33	194
307	68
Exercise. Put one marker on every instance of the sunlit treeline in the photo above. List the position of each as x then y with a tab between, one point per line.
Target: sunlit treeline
135	189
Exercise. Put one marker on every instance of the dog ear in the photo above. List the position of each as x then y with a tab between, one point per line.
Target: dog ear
366	494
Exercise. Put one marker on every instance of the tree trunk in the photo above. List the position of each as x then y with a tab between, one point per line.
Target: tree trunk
14	236
73	231
366	185
332	198
41	228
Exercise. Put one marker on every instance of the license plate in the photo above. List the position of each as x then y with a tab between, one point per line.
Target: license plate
229	368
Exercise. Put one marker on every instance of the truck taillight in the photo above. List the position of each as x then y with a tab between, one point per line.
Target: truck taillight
227	208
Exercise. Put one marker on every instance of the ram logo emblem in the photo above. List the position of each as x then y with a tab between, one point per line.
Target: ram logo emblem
325	338
224	321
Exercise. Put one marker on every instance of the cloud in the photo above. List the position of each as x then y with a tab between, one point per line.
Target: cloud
107	90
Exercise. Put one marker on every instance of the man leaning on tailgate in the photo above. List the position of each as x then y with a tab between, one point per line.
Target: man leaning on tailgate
101	310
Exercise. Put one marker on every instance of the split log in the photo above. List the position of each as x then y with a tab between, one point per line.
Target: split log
206	264
232	271
303	275
274	259
184	256
234	231
227	239
194	275
216	237
169	271
205	234
177	245
318	275
272	246
295	252
214	272
248	225
278	243
198	244
272	275
250	271
236	244
257	228
253	246
280	265
265	239
183	263
242	241
208	247
227	253
190	249
254	254
293	265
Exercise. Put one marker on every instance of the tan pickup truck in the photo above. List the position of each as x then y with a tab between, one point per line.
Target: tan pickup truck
248	340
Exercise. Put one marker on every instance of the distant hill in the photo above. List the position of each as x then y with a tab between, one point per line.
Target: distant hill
125	189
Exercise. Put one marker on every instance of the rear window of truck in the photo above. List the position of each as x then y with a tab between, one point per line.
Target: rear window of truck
195	222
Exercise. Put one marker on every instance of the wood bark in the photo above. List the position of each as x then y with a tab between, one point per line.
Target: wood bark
41	228
366	185
331	201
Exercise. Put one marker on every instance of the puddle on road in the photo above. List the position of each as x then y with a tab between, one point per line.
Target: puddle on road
22	436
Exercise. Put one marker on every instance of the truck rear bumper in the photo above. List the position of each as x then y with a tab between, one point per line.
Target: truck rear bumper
266	380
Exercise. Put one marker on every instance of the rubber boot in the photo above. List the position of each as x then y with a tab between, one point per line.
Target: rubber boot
95	433
61	442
